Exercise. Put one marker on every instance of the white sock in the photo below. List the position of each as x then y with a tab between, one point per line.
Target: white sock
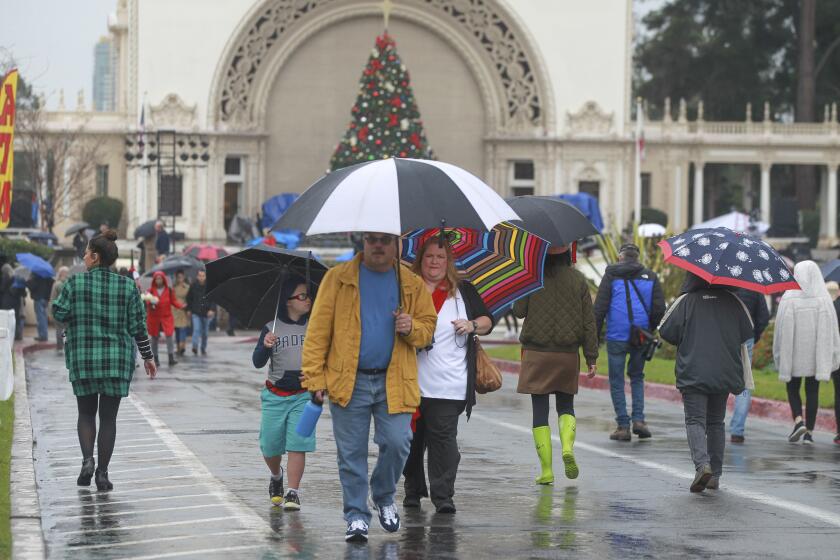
295	490
277	476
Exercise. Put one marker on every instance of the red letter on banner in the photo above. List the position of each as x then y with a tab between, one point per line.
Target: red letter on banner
8	112
5	149
6	202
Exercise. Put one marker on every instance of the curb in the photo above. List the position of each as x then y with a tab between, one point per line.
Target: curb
25	511
762	408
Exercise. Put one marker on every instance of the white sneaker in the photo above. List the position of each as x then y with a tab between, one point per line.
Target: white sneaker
357	531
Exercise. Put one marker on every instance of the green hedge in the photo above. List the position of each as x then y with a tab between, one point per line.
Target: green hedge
103	209
654	216
10	247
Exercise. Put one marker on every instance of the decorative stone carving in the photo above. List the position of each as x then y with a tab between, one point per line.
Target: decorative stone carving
172	112
590	119
490	28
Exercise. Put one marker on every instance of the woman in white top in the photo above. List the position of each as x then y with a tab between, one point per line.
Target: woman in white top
446	372
806	343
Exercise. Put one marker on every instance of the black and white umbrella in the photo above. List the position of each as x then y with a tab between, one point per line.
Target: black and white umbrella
396	196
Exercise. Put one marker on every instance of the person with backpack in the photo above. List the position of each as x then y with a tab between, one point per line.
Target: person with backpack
629	297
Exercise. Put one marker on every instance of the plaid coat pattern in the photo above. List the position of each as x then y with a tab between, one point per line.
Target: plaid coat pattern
103	314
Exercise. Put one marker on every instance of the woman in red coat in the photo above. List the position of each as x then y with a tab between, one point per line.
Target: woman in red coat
159	303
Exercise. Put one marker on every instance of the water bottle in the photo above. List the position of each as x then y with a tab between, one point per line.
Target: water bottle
309	418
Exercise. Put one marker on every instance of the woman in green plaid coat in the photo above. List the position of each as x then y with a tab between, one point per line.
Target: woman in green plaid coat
104	318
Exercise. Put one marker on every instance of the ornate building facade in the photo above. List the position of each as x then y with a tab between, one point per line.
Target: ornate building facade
532	96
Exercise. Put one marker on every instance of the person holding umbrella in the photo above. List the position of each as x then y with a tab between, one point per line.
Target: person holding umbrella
105	318
806	345
361	347
160	299
283	399
446	372
710	327
558	321
199	312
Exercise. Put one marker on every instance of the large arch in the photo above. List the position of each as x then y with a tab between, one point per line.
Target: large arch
497	48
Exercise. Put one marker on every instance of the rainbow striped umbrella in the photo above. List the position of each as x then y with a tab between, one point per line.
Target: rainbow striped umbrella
504	264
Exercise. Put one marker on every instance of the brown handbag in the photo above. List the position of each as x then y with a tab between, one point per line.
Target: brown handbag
488	378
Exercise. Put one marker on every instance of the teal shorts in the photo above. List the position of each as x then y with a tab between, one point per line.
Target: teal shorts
280	416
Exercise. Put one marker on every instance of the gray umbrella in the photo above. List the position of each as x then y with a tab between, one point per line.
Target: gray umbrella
81	226
242	229
144	230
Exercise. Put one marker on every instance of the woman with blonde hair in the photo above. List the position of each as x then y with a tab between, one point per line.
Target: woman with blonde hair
446	372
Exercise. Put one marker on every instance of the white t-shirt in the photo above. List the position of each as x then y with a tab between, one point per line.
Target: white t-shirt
442	371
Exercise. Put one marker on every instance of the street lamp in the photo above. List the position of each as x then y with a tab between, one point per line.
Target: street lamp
169	152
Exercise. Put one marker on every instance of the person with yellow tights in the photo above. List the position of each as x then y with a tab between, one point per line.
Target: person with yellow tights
559	321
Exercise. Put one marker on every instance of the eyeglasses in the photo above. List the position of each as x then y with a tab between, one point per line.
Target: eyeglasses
379	239
300	297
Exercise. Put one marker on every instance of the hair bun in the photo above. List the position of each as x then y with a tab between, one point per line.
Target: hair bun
110	235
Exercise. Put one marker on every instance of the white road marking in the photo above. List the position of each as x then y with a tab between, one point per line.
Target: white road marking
93	494
99	515
824	516
116	457
163	539
119	441
110	472
146	526
191	464
123	460
195	552
135	501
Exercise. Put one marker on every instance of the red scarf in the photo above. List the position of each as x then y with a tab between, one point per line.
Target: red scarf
440	294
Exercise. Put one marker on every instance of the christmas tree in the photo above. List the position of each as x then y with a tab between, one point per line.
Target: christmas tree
386	122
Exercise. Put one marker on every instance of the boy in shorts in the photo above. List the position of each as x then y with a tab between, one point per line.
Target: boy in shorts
283	398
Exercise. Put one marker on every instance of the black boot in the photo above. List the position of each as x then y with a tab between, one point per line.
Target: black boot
102	482
172	360
86	473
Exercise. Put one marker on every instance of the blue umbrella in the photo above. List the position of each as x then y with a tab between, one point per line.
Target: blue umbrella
722	256
36	265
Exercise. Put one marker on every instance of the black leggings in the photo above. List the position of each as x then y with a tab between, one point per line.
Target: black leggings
812	398
511	318
836	378
539	404
86	426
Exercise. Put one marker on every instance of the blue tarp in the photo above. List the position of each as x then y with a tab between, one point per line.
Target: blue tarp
588	205
288	239
275	207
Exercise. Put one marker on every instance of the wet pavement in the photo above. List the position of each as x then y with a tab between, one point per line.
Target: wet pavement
189	481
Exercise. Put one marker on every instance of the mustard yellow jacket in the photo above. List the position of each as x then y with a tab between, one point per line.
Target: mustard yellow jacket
331	348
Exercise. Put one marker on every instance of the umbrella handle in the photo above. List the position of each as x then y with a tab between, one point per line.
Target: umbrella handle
283	273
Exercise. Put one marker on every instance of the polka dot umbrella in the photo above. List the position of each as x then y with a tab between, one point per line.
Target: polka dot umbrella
722	256
504	264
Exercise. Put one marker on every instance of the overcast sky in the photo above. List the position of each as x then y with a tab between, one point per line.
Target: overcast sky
52	42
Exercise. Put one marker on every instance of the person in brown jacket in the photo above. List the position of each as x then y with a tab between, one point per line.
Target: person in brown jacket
365	329
182	322
558	321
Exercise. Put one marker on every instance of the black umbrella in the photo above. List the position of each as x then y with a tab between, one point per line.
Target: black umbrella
144	230
396	196
558	222
172	264
248	283
81	226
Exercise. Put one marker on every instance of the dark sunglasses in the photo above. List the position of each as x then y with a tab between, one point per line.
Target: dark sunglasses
380	239
300	297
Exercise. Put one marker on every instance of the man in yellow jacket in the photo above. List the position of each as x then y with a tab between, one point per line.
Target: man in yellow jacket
361	348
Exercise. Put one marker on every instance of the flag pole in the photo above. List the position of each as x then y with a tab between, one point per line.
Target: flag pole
637	190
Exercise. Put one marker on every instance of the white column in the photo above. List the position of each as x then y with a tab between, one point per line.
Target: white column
676	221
765	193
831	230
698	192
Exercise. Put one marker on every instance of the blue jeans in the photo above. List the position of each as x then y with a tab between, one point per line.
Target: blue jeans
351	428
41	316
742	405
199	328
617	353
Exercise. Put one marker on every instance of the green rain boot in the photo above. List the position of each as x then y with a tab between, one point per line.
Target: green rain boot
568	426
542	441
